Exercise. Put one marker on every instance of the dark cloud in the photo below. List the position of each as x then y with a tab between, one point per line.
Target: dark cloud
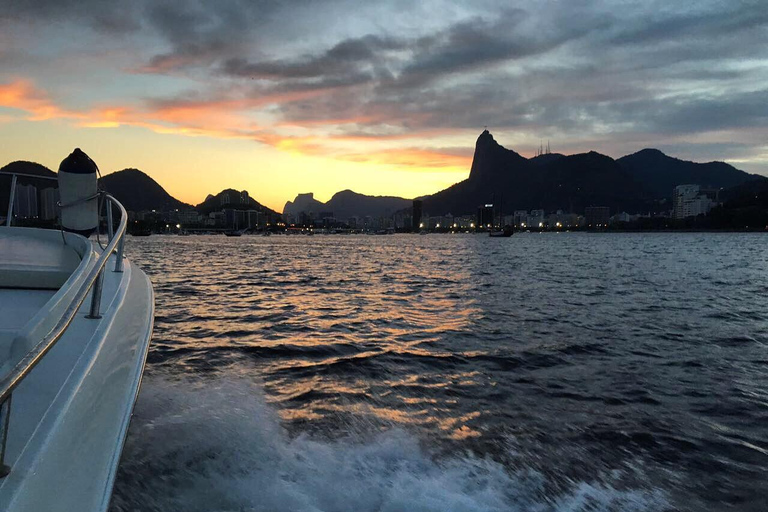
578	68
348	57
722	20
476	44
103	16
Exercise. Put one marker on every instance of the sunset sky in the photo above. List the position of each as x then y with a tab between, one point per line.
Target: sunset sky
386	97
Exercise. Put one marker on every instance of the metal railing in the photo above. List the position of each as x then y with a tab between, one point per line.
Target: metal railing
93	280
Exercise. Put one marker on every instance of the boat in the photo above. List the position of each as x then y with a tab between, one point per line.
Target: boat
234	232
500	231
75	325
504	232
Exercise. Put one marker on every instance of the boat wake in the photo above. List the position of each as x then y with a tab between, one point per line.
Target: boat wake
215	446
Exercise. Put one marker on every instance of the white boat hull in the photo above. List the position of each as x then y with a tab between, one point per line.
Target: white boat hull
70	415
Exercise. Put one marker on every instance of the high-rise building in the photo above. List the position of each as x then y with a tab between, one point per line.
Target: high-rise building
416	217
49	209
254	219
688	201
25	201
235	219
485	216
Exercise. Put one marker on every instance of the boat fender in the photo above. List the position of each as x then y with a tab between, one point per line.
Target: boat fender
78	190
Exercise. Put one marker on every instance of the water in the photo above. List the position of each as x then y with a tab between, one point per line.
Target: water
545	372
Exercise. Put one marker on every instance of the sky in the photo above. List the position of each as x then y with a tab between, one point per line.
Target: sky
281	97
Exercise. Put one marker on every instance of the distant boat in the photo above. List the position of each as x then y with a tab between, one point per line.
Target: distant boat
501	233
234	232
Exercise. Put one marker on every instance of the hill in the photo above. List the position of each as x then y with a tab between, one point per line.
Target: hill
231	198
642	181
549	181
303	203
347	204
23	167
660	173
138	192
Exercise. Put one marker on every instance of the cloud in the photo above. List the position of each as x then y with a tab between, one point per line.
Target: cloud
348	57
581	70
22	95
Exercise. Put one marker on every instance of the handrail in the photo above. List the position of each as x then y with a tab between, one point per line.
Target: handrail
25	175
12	197
28	362
95	277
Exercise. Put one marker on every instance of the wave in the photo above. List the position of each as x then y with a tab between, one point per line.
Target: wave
215	445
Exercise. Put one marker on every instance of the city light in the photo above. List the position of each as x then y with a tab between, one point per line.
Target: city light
178	226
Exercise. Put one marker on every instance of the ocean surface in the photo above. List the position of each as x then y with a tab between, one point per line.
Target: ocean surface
544	372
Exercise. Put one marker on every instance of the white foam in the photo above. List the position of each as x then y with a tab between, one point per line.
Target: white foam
218	447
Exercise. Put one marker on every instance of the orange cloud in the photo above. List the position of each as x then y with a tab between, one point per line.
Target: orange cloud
413	157
229	118
23	95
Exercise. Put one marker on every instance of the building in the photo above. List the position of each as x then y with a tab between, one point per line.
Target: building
536	219
597	216
464	222
520	218
235	219
560	220
416	217
484	216
622	217
25	201
187	217
690	201
255	219
49	209
215	219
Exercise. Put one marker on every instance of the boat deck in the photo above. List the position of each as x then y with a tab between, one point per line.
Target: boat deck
70	414
17	308
35	259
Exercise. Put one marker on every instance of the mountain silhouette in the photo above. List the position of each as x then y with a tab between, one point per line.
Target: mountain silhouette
634	183
138	192
231	198
660	173
346	204
550	182
303	203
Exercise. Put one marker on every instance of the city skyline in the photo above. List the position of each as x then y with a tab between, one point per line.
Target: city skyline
294	97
